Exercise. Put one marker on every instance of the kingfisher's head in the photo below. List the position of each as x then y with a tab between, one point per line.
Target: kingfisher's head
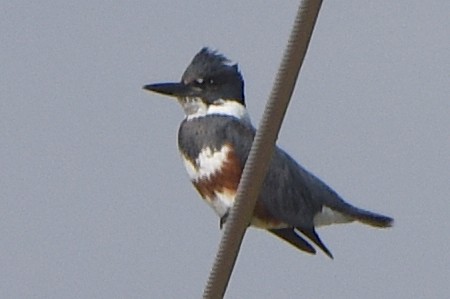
209	85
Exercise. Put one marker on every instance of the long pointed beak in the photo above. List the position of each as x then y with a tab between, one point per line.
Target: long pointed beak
171	89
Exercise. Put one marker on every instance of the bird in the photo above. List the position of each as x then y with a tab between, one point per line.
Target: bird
214	140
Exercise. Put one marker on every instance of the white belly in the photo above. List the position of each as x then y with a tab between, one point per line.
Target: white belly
221	202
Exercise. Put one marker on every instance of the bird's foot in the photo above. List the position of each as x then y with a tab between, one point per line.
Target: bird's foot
223	220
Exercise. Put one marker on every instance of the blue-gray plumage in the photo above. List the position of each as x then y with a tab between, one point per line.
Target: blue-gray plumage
215	139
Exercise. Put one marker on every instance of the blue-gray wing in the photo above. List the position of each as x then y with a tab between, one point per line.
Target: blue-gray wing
291	193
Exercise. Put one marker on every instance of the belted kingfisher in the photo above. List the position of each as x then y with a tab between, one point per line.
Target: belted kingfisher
214	140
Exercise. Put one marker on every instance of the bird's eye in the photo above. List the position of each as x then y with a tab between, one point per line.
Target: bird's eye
200	81
204	82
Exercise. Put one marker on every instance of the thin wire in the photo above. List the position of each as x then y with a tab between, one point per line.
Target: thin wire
262	149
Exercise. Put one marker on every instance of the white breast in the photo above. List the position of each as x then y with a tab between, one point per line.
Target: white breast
207	163
204	168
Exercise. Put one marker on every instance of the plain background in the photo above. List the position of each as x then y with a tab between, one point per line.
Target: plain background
95	202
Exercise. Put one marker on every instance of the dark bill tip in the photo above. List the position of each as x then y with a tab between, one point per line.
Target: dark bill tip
170	89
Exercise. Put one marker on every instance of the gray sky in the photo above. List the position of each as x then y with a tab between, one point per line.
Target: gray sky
95	202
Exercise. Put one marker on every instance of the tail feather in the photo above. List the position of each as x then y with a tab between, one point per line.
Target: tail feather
353	213
312	235
289	235
372	219
348	213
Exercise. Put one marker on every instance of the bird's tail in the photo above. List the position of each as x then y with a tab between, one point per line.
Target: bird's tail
336	210
339	211
353	213
367	217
